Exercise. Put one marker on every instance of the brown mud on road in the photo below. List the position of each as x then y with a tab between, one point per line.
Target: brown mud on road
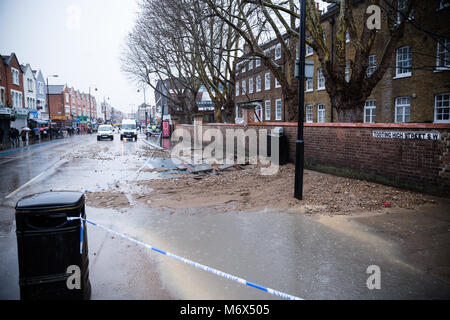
246	188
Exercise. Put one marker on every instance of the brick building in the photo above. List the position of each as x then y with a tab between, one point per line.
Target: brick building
415	87
12	92
70	107
170	109
257	88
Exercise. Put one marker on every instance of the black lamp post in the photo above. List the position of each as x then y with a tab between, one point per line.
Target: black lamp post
90	106
48	107
145	106
300	145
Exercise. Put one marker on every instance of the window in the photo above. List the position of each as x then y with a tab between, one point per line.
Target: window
347	71
267	81
309	85
258	113
67	98
237	89
278	51
320	80
16	99
277	84
250	85
402	109
442	108
41	87
15	76
321	113
30	85
257	62
309	49
239	112
309	113
244	87
402	6
370	111
372	64
243	68
443	54
2	96
278	109
250	64
267	110
403	62
258	84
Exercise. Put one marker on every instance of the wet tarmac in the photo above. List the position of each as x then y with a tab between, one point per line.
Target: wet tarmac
289	252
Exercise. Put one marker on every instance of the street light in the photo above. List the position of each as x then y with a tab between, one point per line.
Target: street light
300	145
104	106
145	106
48	107
90	106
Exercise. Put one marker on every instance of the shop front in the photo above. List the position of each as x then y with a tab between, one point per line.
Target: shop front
61	121
82	123
20	116
5	122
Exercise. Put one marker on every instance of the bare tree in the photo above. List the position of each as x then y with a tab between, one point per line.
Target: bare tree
152	56
259	23
348	97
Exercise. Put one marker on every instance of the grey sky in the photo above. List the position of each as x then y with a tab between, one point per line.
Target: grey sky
79	40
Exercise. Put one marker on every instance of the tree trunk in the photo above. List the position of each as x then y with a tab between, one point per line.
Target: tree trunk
291	101
218	112
353	113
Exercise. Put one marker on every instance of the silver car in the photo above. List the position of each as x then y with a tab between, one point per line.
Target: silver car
105	132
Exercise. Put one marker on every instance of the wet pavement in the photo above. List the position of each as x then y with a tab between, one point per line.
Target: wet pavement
290	252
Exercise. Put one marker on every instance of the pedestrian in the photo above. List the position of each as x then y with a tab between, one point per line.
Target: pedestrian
14	135
36	134
1	138
24	136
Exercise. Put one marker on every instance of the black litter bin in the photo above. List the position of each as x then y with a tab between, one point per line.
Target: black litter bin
48	245
283	146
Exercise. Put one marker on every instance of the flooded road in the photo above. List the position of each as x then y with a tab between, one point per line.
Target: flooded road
305	256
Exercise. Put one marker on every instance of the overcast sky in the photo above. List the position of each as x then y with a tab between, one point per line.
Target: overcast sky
79	40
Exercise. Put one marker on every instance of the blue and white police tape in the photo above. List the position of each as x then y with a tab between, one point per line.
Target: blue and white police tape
192	263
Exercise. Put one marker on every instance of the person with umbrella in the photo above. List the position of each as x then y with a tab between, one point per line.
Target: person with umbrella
24	134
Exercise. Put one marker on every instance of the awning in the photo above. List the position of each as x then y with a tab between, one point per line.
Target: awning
40	121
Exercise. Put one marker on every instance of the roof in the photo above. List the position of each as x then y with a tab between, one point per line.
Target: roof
55	89
7	59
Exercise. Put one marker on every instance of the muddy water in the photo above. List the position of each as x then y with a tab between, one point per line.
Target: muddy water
290	252
287	252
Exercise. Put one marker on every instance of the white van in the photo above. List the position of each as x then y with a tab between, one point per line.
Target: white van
128	129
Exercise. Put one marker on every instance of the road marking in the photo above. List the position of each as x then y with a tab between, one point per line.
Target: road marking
46	171
26	184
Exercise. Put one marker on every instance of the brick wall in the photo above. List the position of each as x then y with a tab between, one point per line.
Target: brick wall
417	164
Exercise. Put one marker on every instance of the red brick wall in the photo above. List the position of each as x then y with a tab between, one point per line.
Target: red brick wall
56	105
421	164
8	82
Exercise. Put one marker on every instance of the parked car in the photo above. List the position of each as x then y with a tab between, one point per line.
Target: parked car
105	132
128	129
